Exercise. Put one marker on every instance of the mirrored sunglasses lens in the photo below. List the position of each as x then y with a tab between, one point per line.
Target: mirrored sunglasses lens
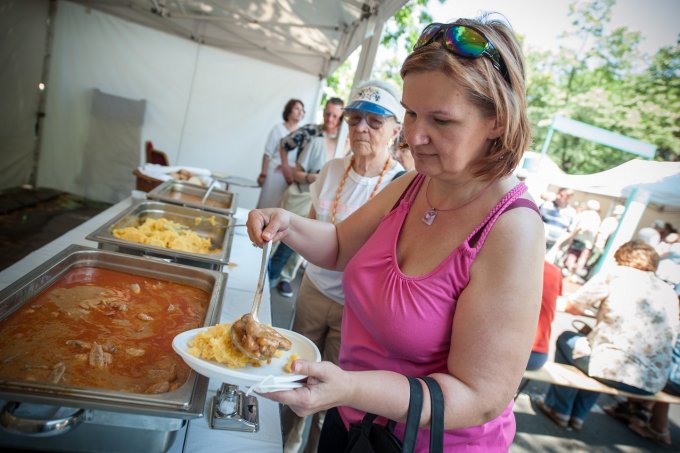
427	35
465	40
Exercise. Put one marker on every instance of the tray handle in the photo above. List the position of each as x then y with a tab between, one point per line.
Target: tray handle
37	427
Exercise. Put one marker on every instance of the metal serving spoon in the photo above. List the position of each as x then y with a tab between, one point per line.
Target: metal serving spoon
238	337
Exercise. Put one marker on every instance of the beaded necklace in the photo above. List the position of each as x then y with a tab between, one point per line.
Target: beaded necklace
431	214
344	178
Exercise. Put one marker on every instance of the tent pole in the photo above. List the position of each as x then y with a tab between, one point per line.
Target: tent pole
42	94
369	49
635	207
546	142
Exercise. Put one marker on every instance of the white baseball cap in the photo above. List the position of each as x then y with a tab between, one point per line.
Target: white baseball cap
374	97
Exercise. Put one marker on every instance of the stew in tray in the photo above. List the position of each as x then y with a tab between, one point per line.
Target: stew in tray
102	328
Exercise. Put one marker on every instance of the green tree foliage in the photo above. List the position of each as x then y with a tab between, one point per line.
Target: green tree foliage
608	83
400	34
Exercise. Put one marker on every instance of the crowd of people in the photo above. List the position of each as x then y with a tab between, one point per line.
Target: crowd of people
634	344
382	300
577	235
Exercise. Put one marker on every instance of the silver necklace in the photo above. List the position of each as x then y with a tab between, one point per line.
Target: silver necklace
431	214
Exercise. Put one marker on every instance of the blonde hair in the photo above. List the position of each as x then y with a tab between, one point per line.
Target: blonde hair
486	88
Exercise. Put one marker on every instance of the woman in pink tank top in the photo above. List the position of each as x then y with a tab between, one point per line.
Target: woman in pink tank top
442	273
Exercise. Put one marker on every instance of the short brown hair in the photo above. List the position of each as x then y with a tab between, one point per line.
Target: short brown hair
637	254
289	108
486	88
336	101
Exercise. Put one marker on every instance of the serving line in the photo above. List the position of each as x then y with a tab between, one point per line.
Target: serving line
245	260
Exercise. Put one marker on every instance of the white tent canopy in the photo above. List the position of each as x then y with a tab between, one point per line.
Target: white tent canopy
210	100
312	37
660	179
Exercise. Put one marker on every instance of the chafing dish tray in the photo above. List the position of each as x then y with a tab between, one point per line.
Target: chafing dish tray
98	416
218	228
191	195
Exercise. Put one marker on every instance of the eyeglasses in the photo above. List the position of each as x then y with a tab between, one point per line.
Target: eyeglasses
374	121
464	41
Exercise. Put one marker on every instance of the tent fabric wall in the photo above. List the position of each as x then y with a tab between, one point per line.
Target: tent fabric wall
206	107
22	33
111	148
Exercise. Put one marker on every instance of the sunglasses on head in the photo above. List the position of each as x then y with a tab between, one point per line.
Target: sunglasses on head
464	41
354	117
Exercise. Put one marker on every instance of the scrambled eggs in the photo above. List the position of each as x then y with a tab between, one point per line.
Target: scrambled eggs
165	233
215	344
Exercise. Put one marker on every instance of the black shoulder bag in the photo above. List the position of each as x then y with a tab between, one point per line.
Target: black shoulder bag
369	437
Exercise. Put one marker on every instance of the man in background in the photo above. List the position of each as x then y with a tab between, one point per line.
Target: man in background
316	144
557	215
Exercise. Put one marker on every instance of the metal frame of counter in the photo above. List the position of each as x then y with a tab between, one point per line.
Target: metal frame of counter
241	284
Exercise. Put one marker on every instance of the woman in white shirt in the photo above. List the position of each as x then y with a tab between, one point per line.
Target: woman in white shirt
630	346
271	177
342	187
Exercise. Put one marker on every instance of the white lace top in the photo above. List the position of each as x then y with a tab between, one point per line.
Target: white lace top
637	322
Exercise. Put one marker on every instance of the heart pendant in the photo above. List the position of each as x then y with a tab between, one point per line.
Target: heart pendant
429	216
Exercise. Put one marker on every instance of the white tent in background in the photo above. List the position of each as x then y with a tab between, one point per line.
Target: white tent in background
213	76
651	190
660	179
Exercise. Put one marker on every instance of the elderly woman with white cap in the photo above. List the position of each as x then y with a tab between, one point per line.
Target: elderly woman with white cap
342	186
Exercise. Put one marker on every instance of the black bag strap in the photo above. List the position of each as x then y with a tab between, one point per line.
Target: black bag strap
437	418
415	407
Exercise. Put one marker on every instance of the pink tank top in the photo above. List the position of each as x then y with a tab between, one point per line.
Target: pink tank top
400	323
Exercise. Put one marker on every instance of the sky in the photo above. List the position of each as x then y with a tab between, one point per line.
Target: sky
541	21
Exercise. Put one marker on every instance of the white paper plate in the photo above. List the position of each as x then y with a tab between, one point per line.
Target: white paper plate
271	376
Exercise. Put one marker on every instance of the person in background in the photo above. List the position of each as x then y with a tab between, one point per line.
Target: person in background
650	420
582	238
402	153
317	144
669	264
442	269
552	289
630	346
652	234
271	177
557	215
607	228
343	186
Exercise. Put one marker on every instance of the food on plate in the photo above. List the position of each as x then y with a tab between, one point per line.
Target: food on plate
257	339
185	175
165	233
289	363
100	328
215	344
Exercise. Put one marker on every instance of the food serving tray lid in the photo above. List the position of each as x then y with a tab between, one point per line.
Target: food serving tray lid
171	191
221	234
187	401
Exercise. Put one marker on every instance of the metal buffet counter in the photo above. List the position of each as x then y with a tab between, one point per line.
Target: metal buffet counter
242	272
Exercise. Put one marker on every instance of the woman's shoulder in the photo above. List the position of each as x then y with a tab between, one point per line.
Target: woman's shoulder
515	230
